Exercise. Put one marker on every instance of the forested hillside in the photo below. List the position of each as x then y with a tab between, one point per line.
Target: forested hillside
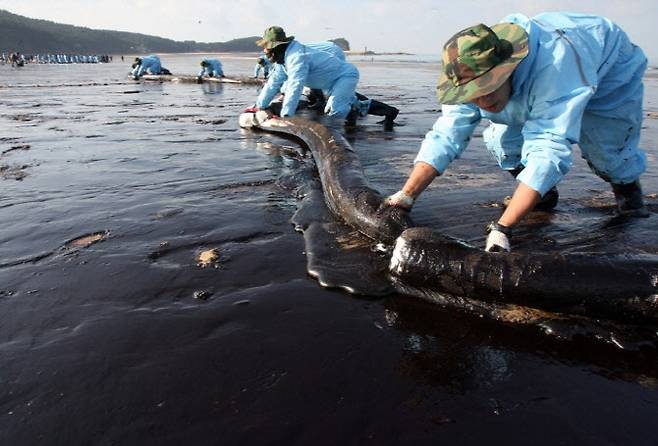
18	33
32	36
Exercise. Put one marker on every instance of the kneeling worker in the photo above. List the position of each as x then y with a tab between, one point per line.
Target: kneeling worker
147	65
262	63
211	68
301	66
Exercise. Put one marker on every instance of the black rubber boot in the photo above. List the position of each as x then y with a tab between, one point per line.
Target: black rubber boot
378	108
548	201
350	119
316	100
630	201
276	107
545	203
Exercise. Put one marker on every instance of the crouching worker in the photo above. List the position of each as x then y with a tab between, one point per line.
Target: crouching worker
262	63
211	68
147	65
544	83
301	66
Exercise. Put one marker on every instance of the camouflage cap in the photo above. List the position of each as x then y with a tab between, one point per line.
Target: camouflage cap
478	60
273	37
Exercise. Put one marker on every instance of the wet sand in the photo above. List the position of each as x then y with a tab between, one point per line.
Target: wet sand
112	333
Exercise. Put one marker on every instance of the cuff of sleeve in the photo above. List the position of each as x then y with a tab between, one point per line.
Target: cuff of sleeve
539	178
428	155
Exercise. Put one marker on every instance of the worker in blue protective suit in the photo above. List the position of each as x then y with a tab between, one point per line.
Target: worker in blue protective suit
364	105
262	63
211	68
545	83
147	65
301	66
315	96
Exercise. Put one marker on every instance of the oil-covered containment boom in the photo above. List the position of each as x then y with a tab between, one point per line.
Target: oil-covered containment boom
615	286
346	190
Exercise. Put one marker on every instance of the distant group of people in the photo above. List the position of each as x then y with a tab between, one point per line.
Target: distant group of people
18	59
15	59
337	98
209	67
152	65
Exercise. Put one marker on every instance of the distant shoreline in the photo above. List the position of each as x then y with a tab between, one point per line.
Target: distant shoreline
373	53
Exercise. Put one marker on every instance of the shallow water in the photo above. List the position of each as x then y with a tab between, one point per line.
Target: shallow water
103	341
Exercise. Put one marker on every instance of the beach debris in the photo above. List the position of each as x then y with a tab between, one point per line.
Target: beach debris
212	121
442	419
518	314
202	294
166	213
16	172
18	147
87	240
208	258
492	204
23	118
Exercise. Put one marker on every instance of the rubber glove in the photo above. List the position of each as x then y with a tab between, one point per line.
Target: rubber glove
498	238
400	200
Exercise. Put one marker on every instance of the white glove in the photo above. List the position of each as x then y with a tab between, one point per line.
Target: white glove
497	240
400	200
254	119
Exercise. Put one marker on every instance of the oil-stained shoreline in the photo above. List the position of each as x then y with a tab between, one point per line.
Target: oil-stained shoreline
107	344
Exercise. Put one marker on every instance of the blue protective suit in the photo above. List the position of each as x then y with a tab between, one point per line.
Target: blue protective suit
265	66
328	47
580	83
213	69
150	64
310	67
333	49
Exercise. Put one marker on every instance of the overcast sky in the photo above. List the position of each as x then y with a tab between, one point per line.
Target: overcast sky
416	26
